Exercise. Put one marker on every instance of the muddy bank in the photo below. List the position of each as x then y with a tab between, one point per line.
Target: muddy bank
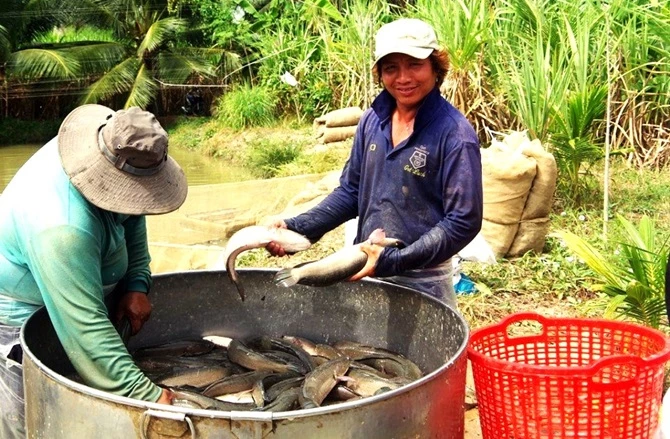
194	236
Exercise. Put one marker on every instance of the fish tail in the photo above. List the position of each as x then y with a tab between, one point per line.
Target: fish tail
240	290
284	278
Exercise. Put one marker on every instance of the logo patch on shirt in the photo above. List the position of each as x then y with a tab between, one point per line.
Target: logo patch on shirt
418	161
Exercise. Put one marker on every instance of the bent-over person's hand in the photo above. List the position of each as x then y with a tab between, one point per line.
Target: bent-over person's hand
373	251
166	397
136	306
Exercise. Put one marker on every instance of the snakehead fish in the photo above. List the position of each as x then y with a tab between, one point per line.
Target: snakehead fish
335	267
252	237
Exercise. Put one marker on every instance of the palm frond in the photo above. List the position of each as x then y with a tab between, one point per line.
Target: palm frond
160	32
612	274
635	281
98	57
37	63
118	80
215	57
143	89
642	305
174	67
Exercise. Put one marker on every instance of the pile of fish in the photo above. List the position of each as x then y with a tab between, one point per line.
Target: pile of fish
272	373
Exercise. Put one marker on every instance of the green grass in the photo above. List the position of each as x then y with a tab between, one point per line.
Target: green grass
267	156
246	107
19	132
284	149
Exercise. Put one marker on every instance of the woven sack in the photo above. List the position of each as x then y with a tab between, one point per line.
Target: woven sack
530	236
343	117
507	178
499	236
337	134
540	198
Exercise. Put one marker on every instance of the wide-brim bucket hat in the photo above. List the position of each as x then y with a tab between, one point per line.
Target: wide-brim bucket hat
118	160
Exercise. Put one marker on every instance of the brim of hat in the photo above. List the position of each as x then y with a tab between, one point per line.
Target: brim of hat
414	52
105	186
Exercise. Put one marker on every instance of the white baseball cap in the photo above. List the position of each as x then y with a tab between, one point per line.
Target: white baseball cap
410	36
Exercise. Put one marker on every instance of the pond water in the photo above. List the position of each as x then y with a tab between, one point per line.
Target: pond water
199	169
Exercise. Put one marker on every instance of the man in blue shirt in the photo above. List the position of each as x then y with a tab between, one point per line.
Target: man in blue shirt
414	169
72	229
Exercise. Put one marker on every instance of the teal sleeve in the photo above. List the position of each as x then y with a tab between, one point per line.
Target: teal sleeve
138	276
71	286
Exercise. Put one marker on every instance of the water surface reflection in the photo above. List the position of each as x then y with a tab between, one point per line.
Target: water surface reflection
199	169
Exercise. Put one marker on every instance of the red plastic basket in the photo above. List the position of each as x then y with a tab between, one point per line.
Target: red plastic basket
571	378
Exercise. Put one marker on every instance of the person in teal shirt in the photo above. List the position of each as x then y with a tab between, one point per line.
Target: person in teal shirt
72	229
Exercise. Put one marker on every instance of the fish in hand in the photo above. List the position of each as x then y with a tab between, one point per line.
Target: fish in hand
252	237
335	267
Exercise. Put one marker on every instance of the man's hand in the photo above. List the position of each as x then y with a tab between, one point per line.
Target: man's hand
273	248
136	306
373	251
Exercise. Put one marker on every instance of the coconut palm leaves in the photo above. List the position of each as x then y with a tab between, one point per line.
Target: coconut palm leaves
131	59
635	281
43	63
153	58
5	46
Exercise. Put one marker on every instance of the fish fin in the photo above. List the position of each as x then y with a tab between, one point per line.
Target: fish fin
377	236
283	278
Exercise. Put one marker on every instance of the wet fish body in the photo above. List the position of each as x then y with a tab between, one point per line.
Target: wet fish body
182	348
256	237
199	377
321	381
270	343
286	373
241	354
366	383
189	399
235	383
286	400
275	390
335	267
358	351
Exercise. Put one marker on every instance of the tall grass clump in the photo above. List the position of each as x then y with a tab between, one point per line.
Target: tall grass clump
463	27
641	104
247	106
266	157
348	38
291	60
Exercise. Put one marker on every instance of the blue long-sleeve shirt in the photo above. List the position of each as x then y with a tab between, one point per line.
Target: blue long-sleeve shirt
427	191
59	250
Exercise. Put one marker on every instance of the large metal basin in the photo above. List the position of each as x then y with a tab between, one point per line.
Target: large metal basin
199	303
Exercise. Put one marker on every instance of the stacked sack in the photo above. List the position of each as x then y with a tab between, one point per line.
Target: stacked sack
338	125
519	179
